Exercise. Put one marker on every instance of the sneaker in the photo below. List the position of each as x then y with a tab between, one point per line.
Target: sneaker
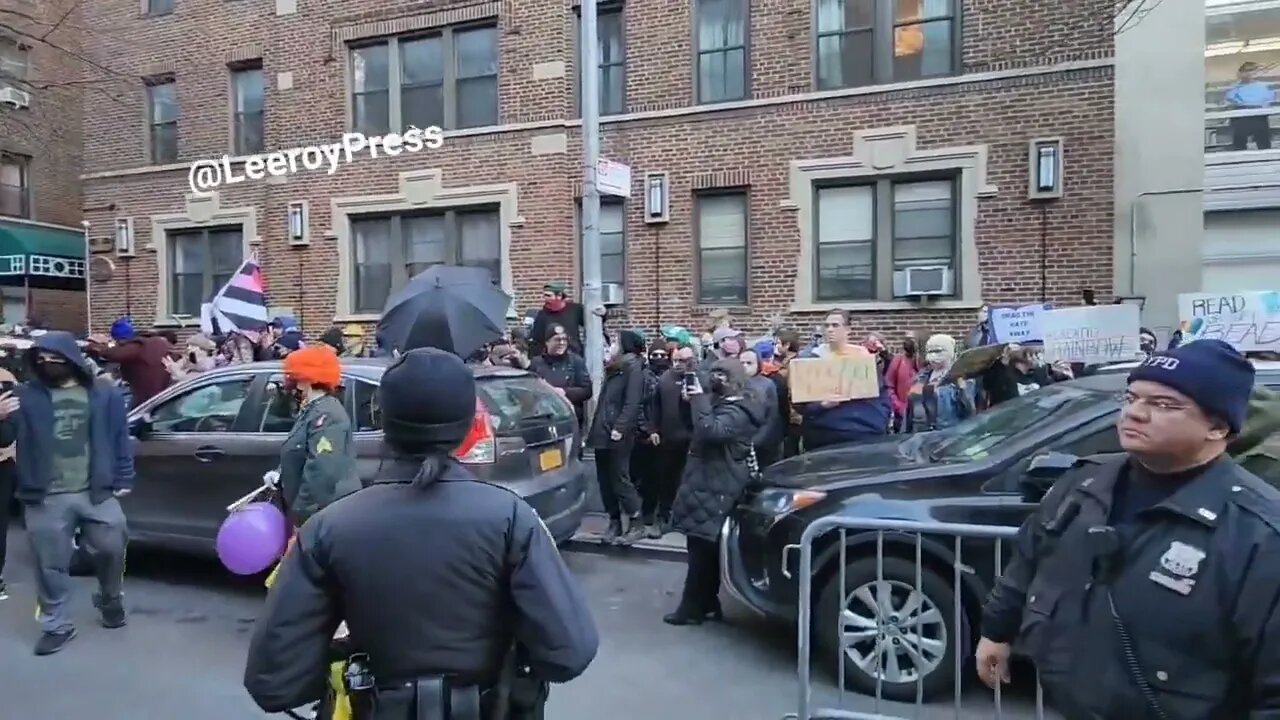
51	642
634	531
4	590
615	530
111	612
683	617
653	531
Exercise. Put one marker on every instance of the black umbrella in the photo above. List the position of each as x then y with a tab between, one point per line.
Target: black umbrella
453	308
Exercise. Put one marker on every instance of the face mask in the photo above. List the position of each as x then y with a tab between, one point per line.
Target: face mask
659	364
718	383
936	357
555	304
909	347
54	373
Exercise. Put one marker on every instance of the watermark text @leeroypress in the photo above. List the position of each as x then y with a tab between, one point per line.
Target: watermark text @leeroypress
209	175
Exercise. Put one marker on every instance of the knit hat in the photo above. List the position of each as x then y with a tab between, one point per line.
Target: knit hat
631	341
1210	372
314	364
428	399
122	329
765	349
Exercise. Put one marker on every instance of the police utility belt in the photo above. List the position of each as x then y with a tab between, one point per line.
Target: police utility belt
517	696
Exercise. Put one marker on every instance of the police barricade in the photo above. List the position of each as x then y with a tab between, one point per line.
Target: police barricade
902	608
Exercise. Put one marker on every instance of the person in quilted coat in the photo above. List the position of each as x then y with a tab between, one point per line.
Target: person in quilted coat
715	476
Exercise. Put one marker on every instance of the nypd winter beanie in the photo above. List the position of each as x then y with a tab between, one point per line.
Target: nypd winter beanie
1210	372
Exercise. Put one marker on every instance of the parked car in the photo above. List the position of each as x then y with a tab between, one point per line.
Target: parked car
974	473
207	441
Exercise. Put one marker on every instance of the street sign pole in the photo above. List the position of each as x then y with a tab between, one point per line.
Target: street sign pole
591	291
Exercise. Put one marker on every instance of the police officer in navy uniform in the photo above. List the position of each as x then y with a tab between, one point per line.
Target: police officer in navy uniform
446	584
1149	587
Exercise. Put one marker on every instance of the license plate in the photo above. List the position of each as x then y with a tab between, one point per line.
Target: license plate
550	459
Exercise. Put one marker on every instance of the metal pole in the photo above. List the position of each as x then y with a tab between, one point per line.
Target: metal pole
88	282
591	299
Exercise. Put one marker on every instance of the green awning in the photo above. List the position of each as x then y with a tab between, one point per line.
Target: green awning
24	239
39	250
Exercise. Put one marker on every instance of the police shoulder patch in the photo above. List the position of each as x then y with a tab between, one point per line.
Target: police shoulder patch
324	446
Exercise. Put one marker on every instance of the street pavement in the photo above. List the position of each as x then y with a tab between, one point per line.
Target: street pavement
182	654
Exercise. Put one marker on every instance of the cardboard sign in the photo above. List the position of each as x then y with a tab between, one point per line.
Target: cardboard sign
1249	321
849	377
1018	324
1091	334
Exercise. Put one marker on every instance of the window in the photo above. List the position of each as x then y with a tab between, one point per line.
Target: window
200	263
978	436
14	63
722	50
278	411
390	250
162	105
611	39
613	240
208	409
159	7
15	185
722	249
1099	442
449	79
860	42
1242	76
247	86
362	398
867	236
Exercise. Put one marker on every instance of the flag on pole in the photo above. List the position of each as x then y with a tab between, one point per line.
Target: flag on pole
241	304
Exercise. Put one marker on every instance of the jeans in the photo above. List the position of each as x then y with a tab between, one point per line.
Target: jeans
8	475
613	473
702	578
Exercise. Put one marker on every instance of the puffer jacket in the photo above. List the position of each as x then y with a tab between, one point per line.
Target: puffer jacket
1257	448
716	473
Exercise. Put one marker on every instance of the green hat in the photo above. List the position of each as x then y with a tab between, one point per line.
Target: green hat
555	287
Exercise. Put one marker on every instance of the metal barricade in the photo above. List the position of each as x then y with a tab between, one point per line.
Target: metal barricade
907	538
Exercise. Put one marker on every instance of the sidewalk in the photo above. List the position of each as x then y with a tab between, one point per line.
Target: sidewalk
591	535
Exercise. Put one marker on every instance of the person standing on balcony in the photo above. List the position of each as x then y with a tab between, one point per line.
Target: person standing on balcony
1250	93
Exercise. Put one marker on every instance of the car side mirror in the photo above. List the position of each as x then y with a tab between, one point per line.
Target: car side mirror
1043	472
140	427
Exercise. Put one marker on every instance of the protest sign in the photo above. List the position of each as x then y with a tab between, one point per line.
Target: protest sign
847	377
1091	334
1018	324
1249	321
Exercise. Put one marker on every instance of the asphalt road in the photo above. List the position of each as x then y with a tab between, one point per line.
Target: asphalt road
182	654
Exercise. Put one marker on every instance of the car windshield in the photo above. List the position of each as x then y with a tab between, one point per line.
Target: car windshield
974	438
523	400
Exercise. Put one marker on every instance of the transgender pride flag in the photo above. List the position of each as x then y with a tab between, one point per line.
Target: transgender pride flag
242	303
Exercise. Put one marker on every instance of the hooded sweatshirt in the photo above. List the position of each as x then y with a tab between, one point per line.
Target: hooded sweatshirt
110	448
855	418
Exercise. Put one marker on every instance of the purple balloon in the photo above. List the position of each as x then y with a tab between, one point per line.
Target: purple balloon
253	538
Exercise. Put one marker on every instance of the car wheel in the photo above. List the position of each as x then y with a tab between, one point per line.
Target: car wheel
891	633
81	562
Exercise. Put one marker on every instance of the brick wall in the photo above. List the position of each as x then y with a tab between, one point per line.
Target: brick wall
1001	112
49	131
57	309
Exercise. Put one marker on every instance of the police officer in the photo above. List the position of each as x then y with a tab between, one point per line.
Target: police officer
443	581
317	462
1147	587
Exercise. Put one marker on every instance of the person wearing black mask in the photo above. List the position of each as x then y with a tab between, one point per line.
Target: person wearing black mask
644	456
565	371
487	617
715	476
613	434
673	420
75	460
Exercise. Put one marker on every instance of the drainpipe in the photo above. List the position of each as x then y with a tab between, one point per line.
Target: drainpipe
1133	218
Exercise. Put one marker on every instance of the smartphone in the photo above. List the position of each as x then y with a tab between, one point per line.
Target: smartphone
7	386
691	383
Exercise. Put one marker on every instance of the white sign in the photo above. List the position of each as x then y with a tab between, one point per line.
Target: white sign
1091	334
1018	324
613	178
1249	321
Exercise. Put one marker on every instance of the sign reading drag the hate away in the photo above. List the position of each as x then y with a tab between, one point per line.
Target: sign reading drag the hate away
1249	321
1091	334
847	377
1018	324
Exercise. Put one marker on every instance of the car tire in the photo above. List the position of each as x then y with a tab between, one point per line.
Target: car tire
81	562
939	640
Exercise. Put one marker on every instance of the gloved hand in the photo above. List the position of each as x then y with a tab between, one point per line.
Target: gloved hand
271	479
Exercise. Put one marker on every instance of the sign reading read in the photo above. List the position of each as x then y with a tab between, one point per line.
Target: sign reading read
1091	334
1018	324
847	377
1249	321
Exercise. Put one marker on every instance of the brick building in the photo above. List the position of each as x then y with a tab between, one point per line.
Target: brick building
814	150
42	248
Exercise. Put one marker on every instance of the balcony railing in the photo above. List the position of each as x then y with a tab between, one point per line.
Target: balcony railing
1243	129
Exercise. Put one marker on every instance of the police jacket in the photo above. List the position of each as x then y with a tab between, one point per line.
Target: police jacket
434	580
1195	581
317	460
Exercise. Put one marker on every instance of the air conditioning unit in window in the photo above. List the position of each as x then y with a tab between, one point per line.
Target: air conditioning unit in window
15	97
612	294
923	281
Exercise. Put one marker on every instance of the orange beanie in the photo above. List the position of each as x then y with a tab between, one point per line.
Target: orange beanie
314	364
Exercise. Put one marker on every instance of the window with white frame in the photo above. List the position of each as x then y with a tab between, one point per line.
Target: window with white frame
448	78
721	40
722	248
248	88
867	233
863	42
388	250
613	241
